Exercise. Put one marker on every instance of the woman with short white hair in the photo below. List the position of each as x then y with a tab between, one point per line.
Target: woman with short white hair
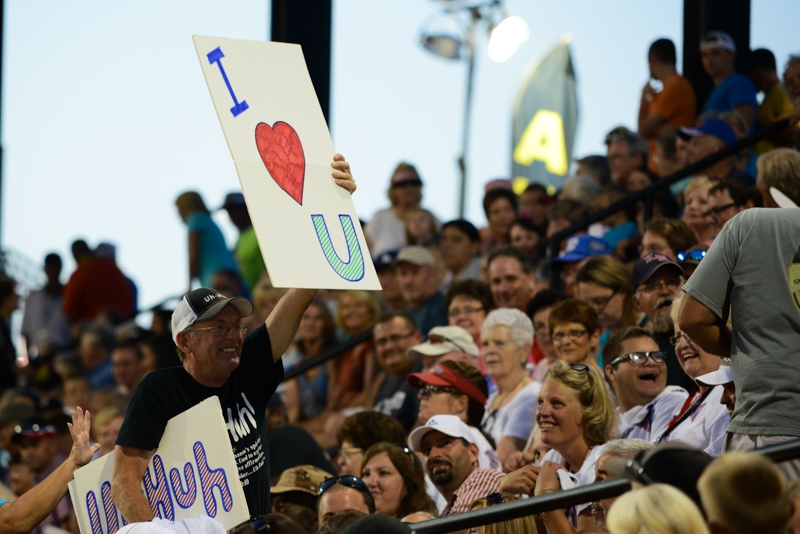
656	509
506	341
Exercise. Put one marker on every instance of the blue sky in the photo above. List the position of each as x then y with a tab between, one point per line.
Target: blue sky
106	116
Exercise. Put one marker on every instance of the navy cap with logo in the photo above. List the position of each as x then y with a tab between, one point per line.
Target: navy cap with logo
204	304
33	430
647	266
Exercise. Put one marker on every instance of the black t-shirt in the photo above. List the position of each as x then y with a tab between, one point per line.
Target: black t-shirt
166	393
399	400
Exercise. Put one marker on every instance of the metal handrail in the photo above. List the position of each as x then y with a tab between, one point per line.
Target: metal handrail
780	452
663	183
304	366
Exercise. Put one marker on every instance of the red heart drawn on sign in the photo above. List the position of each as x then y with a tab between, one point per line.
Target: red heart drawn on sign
282	154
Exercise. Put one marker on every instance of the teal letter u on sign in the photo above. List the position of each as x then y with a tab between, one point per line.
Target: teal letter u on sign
351	270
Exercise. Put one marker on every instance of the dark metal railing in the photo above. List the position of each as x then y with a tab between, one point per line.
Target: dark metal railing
781	452
646	194
327	355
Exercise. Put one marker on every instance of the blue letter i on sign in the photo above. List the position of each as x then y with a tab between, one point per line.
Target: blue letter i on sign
215	56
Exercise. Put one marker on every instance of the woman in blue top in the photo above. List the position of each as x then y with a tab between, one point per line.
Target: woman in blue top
208	252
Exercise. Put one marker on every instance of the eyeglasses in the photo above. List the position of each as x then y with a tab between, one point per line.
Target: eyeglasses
437	339
349	453
495	498
223	331
674	340
574	335
640	358
430	389
673	284
455	312
599	303
394	338
717	211
692	255
351	481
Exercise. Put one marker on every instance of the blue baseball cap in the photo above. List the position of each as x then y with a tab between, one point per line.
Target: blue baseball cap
716	127
385	259
580	247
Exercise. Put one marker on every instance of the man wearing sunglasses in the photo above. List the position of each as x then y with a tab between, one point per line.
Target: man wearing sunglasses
636	370
219	359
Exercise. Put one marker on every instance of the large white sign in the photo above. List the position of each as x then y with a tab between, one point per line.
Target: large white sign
307	226
193	473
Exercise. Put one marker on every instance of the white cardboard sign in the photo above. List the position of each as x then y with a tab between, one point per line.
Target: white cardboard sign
307	226
193	473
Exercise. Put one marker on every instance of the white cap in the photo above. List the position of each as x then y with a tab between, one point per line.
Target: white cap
717	39
720	377
445	339
446	424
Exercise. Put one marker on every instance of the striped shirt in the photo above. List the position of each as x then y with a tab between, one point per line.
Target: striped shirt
480	483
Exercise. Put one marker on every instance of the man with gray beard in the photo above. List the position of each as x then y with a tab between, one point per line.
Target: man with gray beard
656	281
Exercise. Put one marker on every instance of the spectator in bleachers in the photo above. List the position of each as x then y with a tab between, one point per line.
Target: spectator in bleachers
791	79
77	391
468	302
460	247
577	252
710	137
622	224
726	199
419	285
391	296
506	341
636	371
580	188
625	449
539	311
528	237
126	366
456	388
394	335
44	326
295	494
229	283
638	180
605	283
744	492
666	157
451	461
667	237
361	431
525	524
535	203
595	167
776	102
105	426
95	347
732	91
387	228
564	214
422	228
356	369
511	278
575	332
208	252
658	509
246	251
663	112
338	494
500	208
98	284
576	415
626	152
696	200
780	169
721	377
9	302
656	281
308	395
703	420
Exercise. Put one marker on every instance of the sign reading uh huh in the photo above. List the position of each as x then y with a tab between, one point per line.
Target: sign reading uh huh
193	473
306	225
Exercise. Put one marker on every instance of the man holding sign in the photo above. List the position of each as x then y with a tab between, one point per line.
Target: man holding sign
219	358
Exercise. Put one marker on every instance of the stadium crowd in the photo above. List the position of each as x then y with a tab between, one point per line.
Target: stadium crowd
661	350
